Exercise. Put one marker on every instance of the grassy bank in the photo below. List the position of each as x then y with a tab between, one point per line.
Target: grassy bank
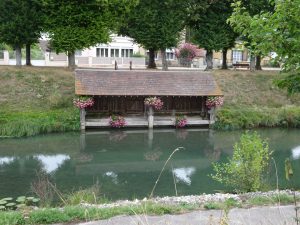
69	214
252	100
39	100
36	100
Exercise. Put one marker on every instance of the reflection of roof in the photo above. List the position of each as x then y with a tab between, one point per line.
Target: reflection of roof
145	83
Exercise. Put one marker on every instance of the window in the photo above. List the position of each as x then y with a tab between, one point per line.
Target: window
126	53
102	52
237	56
114	53
170	56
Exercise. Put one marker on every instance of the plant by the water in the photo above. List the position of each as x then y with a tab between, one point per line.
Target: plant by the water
247	168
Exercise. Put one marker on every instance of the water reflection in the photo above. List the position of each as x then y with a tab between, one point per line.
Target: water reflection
126	163
296	153
113	176
184	174
6	160
53	162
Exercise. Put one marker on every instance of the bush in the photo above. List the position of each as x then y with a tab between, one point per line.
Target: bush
245	171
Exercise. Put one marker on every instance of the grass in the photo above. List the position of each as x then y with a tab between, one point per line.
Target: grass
71	214
252	100
36	100
77	213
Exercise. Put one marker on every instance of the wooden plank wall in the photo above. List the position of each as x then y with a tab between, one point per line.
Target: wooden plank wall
135	105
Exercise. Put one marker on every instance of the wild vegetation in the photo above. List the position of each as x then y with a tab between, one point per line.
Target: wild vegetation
246	170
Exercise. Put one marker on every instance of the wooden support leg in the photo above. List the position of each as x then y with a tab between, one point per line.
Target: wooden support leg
150	118
82	119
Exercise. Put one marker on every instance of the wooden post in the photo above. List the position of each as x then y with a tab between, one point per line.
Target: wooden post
130	65
150	118
82	119
212	115
116	65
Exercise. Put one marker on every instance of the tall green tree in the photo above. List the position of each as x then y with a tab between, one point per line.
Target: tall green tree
209	29
74	25
277	31
21	23
156	25
255	7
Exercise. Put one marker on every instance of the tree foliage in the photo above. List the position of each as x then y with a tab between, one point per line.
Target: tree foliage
74	25
156	24
274	31
245	171
21	22
209	28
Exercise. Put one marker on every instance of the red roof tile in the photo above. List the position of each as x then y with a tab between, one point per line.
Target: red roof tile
145	83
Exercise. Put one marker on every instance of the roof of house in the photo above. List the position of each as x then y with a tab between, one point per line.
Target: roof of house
145	83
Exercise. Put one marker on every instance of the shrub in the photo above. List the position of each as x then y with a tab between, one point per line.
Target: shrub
245	171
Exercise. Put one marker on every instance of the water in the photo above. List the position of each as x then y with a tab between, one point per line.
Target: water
127	163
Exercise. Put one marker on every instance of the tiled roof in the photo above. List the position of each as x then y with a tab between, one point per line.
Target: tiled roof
145	83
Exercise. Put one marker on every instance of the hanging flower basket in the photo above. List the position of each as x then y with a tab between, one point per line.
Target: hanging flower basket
214	101
117	121
180	121
83	102
186	53
154	102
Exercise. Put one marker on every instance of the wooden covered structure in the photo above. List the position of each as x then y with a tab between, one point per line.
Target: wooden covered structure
118	92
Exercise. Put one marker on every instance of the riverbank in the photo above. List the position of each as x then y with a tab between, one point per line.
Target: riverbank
38	100
157	206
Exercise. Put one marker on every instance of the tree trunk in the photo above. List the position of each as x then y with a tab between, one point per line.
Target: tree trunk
28	55
164	60
71	60
209	60
18	56
151	63
258	62
252	62
224	59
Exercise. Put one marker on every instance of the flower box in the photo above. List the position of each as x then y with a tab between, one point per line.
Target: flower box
117	121
214	101
83	102
154	102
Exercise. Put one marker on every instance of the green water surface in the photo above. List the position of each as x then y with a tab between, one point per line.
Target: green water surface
126	163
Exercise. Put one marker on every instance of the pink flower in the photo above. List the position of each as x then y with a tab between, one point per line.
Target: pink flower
214	101
155	102
117	121
83	102
180	121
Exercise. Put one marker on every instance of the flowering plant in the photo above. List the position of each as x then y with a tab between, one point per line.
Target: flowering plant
83	102
117	121
155	102
186	53
180	121
214	101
